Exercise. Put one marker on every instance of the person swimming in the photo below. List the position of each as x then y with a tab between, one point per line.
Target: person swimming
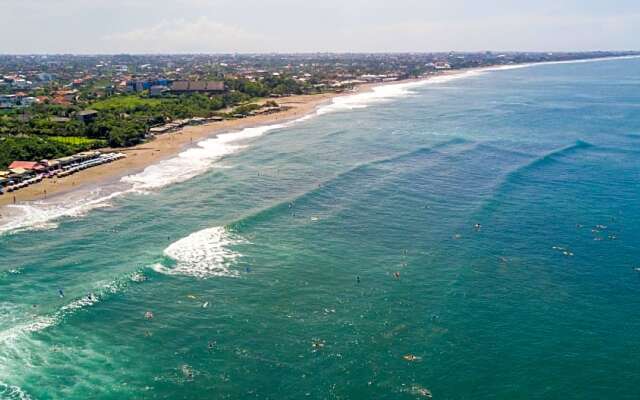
358	279
61	293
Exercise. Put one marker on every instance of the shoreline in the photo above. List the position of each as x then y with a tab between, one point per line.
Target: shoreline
168	145
171	144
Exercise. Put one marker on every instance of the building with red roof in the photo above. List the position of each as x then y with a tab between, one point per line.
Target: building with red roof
28	165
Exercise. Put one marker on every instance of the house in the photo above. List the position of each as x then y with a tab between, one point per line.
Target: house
87	116
197	86
51	165
27	166
4	178
157	90
65	96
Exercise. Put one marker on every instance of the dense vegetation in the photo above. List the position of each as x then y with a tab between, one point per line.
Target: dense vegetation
47	130
33	148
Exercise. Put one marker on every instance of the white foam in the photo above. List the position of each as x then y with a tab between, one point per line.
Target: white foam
19	326
196	160
529	65
202	254
388	92
41	215
11	392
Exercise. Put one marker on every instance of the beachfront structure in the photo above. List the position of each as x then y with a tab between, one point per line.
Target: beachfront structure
197	87
4	178
26	166
176	125
24	173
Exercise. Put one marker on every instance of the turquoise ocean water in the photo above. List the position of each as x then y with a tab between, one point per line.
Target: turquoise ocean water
248	248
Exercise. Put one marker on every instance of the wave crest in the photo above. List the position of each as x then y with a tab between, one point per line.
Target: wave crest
388	92
202	254
11	392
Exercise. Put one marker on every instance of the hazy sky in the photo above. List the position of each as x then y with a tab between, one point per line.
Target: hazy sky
210	26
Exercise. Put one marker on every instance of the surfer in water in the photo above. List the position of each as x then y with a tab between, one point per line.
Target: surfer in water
61	293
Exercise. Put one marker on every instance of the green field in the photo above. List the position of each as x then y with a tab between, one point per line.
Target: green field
78	141
124	103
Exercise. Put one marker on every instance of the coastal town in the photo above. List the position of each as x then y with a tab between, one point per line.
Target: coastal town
61	114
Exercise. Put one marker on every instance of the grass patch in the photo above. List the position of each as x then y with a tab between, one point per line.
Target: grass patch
124	103
78	141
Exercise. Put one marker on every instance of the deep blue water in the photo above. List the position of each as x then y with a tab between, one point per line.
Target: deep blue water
251	266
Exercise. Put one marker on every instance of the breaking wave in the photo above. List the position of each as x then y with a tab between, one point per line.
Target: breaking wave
196	160
11	392
386	93
588	60
42	322
504	184
42	215
203	254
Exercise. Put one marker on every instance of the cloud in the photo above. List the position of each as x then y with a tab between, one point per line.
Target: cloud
200	35
209	26
512	32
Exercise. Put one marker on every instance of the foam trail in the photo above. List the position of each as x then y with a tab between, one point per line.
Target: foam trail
11	392
529	65
196	160
41	215
202	254
42	322
386	93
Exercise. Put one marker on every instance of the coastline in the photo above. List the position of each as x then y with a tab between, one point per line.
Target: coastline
164	146
168	145
171	144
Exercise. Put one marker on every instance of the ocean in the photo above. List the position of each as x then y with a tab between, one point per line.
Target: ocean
472	236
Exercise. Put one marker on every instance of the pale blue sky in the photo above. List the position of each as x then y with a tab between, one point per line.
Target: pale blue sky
209	26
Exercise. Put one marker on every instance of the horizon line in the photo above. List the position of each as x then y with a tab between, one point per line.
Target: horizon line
323	52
